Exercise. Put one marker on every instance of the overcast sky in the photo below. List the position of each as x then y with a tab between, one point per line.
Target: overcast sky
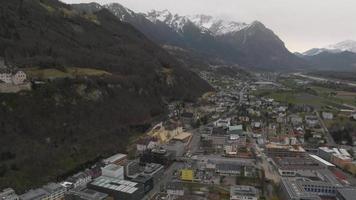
301	24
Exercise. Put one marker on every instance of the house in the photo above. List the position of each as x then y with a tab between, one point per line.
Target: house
9	194
243	192
327	115
312	121
295	119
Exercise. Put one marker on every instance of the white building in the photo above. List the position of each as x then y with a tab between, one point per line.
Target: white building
113	171
9	194
243	192
327	115
13	78
80	179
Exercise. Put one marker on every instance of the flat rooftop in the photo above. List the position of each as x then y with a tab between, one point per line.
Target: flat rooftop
115	184
115	158
113	167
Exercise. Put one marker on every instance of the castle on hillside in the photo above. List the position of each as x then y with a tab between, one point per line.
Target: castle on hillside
12	80
9	76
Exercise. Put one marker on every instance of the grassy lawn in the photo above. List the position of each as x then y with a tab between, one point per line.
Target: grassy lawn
69	72
341	97
299	98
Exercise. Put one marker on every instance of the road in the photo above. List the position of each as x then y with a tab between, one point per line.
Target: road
329	138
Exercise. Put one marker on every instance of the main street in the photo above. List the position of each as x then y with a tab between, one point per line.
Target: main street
329	138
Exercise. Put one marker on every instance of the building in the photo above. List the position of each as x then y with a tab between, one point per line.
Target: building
51	191
146	181
231	169
118	159
83	193
339	157
291	190
183	137
37	194
223	123
312	121
174	190
155	171
9	194
79	179
146	143
324	184
243	192
118	189
295	119
132	168
327	115
341	160
236	130
187	175
346	193
292	166
113	171
278	150
12	77
55	190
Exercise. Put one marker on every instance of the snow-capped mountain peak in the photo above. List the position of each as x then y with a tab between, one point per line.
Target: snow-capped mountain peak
217	26
347	45
119	11
175	21
206	23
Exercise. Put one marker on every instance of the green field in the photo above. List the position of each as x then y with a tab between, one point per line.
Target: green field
69	72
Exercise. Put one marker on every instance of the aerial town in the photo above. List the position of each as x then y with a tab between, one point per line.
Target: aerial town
177	100
238	143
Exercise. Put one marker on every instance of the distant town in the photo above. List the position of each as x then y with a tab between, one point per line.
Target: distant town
251	139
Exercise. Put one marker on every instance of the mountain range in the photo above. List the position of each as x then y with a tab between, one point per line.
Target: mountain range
249	45
336	57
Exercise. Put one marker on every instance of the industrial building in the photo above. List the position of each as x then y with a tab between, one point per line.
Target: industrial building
291	166
322	184
118	189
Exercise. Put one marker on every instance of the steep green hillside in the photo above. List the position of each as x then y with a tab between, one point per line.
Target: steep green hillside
75	119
